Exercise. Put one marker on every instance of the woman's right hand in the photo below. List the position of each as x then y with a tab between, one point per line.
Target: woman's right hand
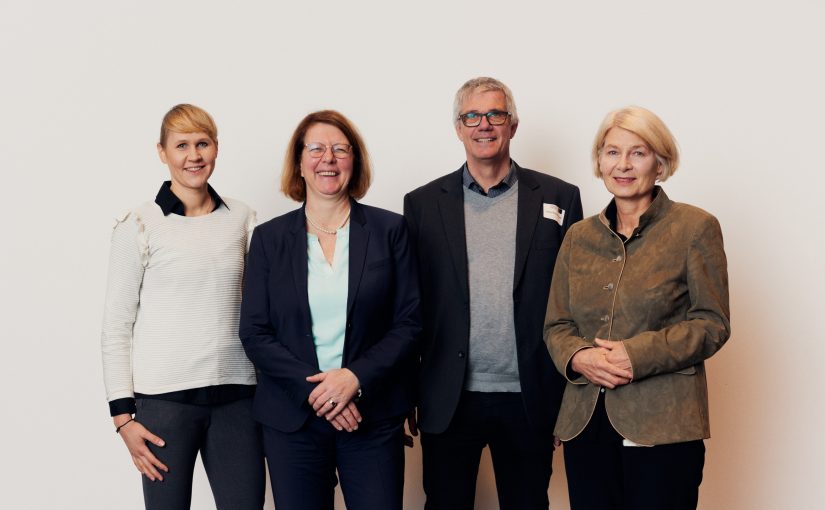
135	436
592	363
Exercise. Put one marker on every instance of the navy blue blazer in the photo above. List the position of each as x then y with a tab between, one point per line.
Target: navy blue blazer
435	215
382	317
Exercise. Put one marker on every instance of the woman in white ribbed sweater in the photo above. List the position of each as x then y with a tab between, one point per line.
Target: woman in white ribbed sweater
177	379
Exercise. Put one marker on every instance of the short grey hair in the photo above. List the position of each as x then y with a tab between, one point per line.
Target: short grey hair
484	84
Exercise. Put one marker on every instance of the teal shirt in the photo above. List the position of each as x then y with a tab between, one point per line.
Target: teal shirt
327	287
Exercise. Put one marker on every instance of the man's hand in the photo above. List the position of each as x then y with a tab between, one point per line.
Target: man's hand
412	425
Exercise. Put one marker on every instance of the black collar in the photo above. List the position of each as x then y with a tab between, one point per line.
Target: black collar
170	203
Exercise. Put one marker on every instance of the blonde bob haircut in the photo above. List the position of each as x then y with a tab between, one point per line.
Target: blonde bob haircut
484	84
293	185
187	118
647	126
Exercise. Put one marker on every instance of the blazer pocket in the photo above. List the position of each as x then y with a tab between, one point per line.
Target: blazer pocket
691	370
378	263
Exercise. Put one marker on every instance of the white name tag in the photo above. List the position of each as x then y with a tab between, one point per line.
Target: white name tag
554	212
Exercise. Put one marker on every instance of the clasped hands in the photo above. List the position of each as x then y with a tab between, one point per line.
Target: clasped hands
332	398
606	365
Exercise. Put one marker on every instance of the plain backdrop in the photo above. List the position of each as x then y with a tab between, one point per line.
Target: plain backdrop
84	86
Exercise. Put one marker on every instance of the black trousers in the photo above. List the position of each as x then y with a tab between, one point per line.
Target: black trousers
229	442
603	474
369	462
522	458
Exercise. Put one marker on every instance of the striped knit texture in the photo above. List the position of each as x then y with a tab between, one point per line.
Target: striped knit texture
173	301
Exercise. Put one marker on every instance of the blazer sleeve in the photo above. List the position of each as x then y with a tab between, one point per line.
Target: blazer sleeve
707	323
399	342
260	338
561	334
412	221
574	209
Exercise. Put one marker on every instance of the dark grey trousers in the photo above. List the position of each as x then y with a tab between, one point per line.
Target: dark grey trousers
229	442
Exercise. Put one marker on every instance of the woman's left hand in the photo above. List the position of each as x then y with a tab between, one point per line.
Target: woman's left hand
617	354
348	419
335	389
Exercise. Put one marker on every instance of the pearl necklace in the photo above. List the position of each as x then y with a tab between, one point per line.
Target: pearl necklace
326	230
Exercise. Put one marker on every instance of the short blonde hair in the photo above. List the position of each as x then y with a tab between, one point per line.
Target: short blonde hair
187	118
647	126
484	84
293	185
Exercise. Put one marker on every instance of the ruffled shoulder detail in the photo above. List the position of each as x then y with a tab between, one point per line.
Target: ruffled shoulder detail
143	241
142	238
121	218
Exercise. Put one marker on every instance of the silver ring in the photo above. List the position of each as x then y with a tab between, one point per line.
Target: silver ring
332	403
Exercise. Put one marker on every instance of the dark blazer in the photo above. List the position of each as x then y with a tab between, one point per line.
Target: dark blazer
382	316
435	216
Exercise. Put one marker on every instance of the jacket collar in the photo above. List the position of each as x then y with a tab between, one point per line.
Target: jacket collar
660	205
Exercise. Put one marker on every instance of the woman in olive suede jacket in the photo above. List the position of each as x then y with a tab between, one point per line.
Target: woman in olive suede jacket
639	301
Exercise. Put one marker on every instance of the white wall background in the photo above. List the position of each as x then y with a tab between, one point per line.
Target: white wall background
84	85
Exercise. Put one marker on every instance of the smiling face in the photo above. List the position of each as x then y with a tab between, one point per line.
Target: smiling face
327	176
486	144
190	158
628	167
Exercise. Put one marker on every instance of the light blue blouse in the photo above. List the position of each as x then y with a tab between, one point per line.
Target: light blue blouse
327	288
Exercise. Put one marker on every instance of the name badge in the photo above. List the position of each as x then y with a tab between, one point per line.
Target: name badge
554	212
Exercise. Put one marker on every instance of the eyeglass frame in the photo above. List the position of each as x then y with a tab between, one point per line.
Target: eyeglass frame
350	149
463	117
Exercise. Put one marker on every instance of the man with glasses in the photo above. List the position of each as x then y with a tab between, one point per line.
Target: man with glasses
486	238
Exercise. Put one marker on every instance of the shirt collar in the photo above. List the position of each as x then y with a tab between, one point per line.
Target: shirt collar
508	182
170	203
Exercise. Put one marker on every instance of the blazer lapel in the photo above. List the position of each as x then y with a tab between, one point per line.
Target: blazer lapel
451	208
298	257
359	237
529	209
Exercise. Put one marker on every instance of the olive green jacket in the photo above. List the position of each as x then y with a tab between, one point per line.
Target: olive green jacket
664	293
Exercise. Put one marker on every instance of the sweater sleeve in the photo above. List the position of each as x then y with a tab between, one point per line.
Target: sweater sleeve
127	261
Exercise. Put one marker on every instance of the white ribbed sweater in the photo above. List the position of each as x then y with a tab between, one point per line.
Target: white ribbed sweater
173	301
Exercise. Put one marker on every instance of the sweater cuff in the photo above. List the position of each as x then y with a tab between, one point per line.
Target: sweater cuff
122	406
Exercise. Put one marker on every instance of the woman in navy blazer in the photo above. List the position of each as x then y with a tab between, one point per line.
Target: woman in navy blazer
329	318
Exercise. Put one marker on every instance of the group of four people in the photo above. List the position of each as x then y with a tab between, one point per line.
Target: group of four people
351	319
